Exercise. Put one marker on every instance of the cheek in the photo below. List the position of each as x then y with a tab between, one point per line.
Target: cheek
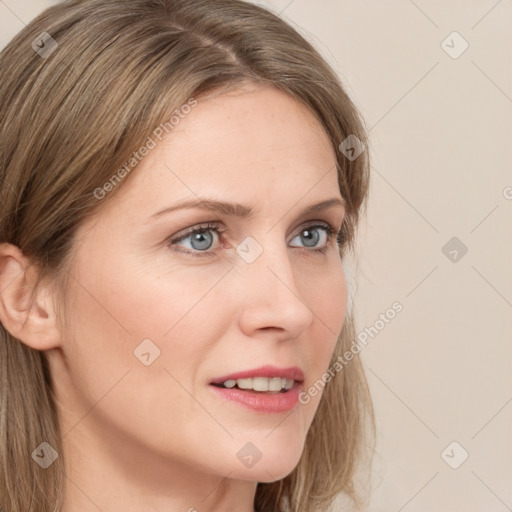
329	304
114	314
330	307
334	300
144	301
110	316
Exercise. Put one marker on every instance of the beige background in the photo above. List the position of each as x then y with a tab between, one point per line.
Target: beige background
441	130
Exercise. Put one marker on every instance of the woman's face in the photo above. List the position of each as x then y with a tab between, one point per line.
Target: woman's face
155	315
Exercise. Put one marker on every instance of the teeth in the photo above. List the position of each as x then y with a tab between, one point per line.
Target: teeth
244	383
261	383
274	384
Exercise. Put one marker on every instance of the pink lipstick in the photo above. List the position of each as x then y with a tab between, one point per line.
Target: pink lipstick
267	389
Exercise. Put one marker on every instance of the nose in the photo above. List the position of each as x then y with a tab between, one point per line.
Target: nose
272	300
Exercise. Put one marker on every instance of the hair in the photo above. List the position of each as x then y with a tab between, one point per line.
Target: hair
72	116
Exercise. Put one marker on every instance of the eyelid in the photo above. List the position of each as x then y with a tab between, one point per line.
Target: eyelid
221	228
204	226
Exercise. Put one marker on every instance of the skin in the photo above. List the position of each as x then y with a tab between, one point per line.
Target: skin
156	438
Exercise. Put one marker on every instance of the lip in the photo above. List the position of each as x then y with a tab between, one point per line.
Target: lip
261	401
292	373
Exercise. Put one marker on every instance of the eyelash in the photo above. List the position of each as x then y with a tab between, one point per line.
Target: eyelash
219	228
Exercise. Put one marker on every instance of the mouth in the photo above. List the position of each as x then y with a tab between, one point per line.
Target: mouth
264	395
265	379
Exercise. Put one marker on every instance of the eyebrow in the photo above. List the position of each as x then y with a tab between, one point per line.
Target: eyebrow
236	209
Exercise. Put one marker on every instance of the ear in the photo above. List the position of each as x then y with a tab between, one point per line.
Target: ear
27	313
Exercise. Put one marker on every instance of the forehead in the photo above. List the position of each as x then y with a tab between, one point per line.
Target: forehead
254	122
254	143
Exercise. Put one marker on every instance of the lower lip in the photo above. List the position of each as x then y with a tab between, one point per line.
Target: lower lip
261	401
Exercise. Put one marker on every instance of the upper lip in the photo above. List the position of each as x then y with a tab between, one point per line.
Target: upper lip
291	373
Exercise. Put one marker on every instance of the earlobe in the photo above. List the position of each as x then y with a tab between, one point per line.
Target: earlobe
25	312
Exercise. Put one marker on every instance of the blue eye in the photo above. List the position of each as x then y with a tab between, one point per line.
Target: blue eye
312	236
200	239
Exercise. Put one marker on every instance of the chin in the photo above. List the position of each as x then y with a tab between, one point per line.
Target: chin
264	474
276	472
273	466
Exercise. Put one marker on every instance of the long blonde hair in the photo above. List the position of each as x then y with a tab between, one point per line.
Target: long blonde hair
73	109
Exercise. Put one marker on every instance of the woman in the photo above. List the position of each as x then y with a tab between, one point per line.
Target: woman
180	180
